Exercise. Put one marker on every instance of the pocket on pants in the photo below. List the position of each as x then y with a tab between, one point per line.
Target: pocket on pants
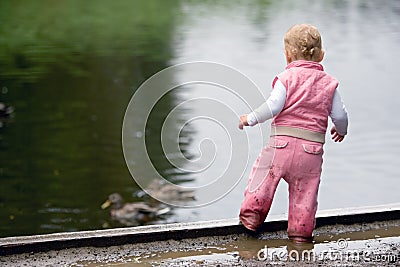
314	149
310	160
278	143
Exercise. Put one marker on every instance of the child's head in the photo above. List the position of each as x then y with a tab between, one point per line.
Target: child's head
303	41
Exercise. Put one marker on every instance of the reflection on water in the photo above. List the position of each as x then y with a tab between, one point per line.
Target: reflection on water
71	71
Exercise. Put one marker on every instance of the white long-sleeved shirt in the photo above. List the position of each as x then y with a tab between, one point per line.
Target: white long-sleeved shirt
276	101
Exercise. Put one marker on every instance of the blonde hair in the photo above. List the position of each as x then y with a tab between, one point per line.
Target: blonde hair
303	41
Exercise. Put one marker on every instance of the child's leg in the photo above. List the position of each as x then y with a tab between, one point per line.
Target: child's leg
303	180
256	204
263	181
303	193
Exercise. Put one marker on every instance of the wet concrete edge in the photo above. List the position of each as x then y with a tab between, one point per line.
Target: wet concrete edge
178	231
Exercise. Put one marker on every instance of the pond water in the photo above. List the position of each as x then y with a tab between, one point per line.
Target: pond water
71	72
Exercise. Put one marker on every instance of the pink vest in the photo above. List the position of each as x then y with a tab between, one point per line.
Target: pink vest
309	93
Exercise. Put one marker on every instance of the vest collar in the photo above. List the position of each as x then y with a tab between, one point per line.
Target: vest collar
305	64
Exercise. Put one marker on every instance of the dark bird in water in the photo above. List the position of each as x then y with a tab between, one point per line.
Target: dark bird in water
132	214
5	110
5	113
168	192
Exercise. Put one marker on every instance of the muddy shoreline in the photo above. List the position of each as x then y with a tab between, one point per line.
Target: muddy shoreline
379	240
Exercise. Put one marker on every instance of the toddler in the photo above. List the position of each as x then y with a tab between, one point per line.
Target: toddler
303	97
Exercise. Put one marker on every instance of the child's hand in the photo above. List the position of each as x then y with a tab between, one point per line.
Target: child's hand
336	136
243	122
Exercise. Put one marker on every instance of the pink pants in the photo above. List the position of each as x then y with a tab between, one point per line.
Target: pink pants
299	163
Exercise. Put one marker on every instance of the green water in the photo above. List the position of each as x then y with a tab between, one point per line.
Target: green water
69	69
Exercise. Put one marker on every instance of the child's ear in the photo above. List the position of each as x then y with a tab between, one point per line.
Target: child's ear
321	56
287	55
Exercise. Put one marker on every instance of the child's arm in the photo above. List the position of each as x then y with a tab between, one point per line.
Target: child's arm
243	122
339	118
336	136
272	107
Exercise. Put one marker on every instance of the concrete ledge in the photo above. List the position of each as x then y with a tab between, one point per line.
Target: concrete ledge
178	231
